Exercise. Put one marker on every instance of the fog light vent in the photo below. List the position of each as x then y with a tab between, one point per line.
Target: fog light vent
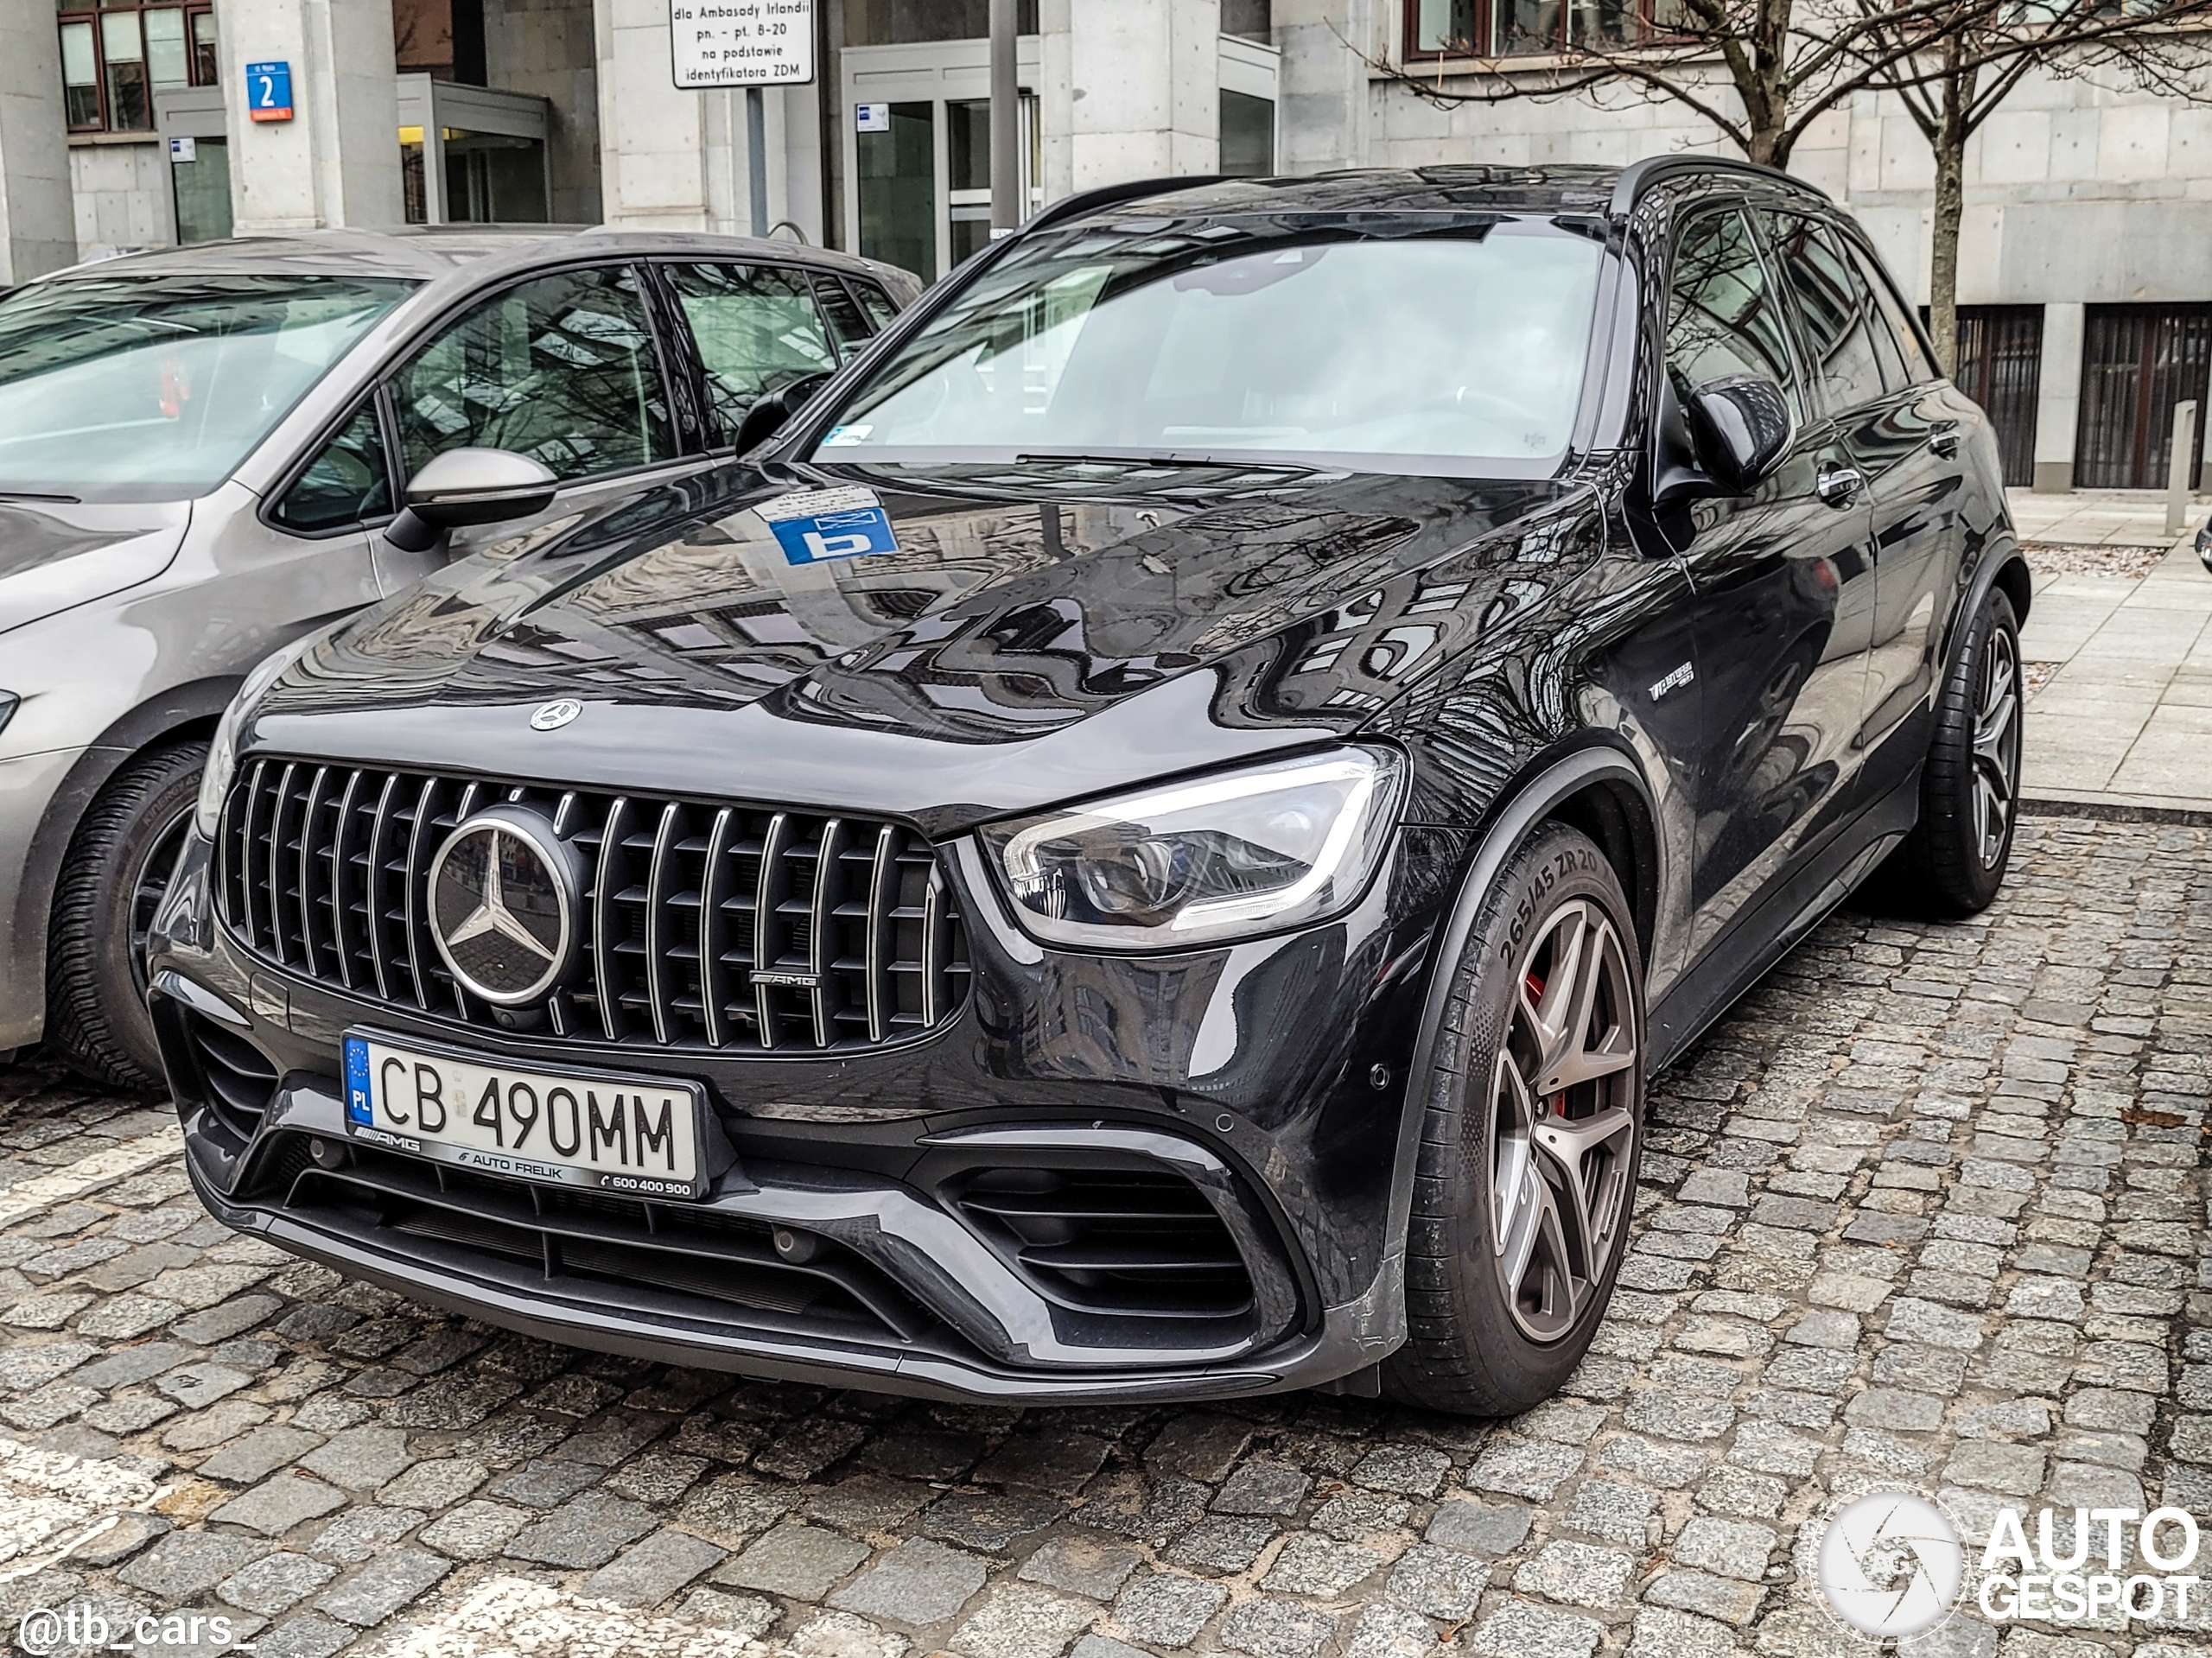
1138	1243
240	1079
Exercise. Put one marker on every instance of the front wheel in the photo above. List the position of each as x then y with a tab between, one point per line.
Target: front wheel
1533	1128
118	869
1954	860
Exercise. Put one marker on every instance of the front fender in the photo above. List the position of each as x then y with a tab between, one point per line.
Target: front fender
1540	795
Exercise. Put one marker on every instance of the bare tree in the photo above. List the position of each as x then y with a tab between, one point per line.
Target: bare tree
1788	62
1954	82
1951	62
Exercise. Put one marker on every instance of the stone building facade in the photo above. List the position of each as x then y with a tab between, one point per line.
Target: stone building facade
2087	263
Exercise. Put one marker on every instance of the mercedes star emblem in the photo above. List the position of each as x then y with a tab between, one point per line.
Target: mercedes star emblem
503	906
552	716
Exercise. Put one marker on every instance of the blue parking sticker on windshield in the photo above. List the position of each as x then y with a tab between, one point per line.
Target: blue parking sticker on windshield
817	525
357	1083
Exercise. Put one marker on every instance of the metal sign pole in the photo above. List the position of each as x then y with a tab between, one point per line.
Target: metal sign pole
762	43
756	158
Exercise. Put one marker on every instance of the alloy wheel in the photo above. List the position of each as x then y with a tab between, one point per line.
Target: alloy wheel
150	882
1996	746
1563	1122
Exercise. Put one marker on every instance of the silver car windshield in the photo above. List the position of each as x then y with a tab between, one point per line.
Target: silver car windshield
1452	349
154	388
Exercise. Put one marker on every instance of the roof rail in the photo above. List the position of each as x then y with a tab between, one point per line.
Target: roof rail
1111	195
1638	176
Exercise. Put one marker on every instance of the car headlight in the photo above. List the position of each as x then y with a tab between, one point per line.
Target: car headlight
222	750
1204	860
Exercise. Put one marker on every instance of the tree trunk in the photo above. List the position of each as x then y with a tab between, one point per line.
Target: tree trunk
1949	143
1943	256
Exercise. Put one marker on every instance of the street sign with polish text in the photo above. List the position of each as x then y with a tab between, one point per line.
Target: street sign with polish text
741	42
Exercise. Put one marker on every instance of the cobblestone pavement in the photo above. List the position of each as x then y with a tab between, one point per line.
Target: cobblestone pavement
1924	1212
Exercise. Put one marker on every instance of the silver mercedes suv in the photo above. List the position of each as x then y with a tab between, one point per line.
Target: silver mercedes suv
201	450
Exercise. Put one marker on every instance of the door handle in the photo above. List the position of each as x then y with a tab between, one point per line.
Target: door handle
1837	485
1945	444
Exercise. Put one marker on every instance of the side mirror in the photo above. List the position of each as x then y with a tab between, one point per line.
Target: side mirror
767	417
465	486
1741	426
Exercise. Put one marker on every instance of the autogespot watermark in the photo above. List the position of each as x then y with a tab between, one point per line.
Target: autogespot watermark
1891	1563
59	1629
2060	1582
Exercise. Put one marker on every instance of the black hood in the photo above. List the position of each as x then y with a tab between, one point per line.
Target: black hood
1038	634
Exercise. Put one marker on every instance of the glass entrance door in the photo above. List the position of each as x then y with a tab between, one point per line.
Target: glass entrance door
898	194
968	161
923	204
919	127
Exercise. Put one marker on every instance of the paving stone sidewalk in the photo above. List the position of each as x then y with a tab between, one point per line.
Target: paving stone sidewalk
1924	1212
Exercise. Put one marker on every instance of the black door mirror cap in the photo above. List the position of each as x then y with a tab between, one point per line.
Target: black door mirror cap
1741	426
769	416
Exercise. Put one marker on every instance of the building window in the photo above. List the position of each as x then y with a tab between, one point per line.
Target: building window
895	23
1439	29
1247	136
1505	29
113	62
1252	20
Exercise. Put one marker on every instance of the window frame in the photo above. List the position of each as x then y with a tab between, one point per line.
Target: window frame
94	18
712	434
1873	270
1486	46
658	324
378	401
1819	404
706	431
1799	390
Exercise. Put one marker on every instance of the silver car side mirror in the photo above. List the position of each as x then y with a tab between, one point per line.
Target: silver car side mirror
465	486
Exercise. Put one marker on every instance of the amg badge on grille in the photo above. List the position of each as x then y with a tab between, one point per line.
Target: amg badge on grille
504	891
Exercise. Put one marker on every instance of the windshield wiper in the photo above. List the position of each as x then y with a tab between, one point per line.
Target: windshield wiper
1166	460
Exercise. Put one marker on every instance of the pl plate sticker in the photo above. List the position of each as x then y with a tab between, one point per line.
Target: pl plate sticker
357	1083
819	524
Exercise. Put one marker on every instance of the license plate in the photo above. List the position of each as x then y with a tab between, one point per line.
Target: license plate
635	1134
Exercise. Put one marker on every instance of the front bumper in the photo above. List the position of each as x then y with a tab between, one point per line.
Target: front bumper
1267	1078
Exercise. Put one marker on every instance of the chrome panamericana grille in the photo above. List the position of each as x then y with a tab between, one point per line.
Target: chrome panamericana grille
700	925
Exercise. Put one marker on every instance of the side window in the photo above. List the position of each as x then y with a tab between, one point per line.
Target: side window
1891	321
1722	315
757	328
1833	308
348	483
561	369
847	325
877	303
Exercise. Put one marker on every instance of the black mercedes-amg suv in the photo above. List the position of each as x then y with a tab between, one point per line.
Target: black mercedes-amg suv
1143	841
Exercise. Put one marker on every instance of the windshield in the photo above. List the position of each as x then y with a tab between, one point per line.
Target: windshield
1455	349
154	388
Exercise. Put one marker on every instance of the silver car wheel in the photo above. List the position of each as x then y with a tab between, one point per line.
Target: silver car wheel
1996	746
1563	1125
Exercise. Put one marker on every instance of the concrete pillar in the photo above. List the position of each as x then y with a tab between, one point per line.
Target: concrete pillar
2058	397
336	162
1056	97
1146	90
1321	118
678	160
38	218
